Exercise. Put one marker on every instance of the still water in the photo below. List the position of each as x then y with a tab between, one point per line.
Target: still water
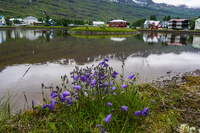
49	55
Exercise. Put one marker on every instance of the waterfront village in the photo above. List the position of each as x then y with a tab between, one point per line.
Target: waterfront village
152	23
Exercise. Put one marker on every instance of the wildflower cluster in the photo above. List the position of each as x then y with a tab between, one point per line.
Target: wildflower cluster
96	83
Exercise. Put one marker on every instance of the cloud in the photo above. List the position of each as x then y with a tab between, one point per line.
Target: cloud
189	3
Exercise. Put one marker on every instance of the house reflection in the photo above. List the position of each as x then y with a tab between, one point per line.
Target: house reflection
178	40
30	34
118	39
2	36
169	39
196	42
154	37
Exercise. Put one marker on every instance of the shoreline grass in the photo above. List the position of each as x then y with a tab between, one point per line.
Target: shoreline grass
98	102
102	29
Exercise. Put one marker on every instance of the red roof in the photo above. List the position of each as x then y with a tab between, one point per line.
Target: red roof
178	19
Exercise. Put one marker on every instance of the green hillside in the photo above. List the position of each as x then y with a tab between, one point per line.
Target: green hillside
90	10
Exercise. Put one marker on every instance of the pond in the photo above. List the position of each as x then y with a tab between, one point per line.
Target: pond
32	57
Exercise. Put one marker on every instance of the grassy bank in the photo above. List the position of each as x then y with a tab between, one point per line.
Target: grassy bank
102	29
102	100
100	36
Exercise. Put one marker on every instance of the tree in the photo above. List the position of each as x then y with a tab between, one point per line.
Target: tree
153	17
64	22
168	18
138	23
47	19
8	23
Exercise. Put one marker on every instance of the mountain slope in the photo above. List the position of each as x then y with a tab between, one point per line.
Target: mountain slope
131	10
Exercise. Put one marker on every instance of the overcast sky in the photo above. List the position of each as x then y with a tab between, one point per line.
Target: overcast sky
189	3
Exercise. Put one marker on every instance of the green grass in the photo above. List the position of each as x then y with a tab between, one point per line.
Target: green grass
102	29
100	36
84	114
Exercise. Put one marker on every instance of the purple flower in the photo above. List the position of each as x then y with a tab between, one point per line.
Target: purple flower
145	112
77	97
54	94
131	76
106	84
124	86
83	78
109	104
98	125
114	76
106	59
52	105
114	93
105	92
96	92
93	82
44	106
103	130
125	108
102	63
121	79
105	65
104	77
115	73
66	93
101	85
33	104
111	83
101	74
73	83
123	91
138	113
113	88
88	80
108	118
78	87
85	93
152	101
76	77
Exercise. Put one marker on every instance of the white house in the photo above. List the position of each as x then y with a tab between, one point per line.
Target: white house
197	24
21	21
30	20
2	21
98	23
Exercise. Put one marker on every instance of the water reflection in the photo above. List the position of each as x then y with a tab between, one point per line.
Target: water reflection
51	54
2	36
168	39
30	34
196	42
118	39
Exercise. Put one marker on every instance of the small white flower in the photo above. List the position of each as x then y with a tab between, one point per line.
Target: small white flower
185	128
192	129
199	130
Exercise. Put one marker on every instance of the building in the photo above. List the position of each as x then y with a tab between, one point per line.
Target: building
197	24
30	20
51	22
98	23
2	21
17	21
118	23
151	24
164	24
179	24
